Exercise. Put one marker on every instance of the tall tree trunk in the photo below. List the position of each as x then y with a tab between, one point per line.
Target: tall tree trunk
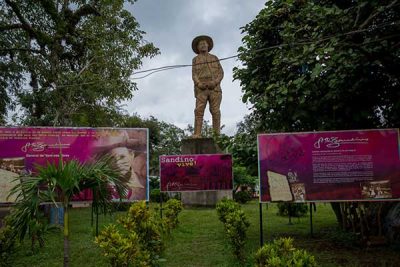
66	236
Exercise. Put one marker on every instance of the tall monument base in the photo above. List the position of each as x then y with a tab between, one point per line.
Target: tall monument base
203	198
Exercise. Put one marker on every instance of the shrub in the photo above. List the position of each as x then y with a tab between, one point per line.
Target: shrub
281	252
155	196
141	221
236	227
122	250
224	207
242	196
295	209
120	206
7	246
235	223
172	209
141	230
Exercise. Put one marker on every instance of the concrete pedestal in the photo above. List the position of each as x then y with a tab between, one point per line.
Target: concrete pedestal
203	198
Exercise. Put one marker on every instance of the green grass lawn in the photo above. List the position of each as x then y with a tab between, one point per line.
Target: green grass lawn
199	240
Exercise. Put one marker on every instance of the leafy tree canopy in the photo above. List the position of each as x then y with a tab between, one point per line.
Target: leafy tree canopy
320	65
68	62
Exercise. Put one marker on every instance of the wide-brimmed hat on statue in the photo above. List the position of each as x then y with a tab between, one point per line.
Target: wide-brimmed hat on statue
197	39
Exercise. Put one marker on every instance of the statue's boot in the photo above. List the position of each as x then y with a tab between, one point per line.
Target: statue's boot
216	123
198	124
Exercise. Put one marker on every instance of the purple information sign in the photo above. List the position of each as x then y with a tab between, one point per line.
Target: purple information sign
21	148
196	172
359	165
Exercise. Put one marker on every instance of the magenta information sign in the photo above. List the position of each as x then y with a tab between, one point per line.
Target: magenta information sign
21	148
196	172
359	165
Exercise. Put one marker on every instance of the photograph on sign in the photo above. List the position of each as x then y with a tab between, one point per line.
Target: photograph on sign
22	148
359	165
182	173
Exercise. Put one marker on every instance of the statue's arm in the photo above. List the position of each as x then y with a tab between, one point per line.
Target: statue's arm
195	78
220	73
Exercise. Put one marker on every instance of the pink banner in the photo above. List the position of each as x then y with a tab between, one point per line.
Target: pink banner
21	148
196	172
359	165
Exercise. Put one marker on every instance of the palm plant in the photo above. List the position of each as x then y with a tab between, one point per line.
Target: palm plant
58	183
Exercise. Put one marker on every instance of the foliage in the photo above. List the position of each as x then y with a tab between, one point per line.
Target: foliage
58	183
69	62
164	138
242	196
330	53
26	217
235	227
7	245
224	207
282	253
235	223
155	196
172	209
141	221
154	182
241	178
243	147
122	250
294	209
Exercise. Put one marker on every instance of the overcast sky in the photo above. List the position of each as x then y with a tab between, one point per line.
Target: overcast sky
171	25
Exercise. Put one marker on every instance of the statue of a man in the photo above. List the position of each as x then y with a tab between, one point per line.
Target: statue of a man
207	74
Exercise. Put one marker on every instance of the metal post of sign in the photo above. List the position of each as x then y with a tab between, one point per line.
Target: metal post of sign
311	221
261	226
92	211
97	220
290	213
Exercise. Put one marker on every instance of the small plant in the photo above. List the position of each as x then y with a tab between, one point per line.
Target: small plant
281	252
235	223
146	231
224	207
7	245
294	209
122	250
242	197
172	209
156	194
236	227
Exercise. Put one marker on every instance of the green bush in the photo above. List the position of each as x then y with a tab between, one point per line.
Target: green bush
235	223
155	196
224	207
282	253
122	249
236	227
171	210
140	220
242	196
7	246
141	228
295	209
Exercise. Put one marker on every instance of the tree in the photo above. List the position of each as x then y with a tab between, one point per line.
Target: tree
322	65
58	183
69	62
164	138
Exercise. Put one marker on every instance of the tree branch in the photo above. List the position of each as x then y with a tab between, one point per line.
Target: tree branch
19	49
24	23
368	20
50	9
83	11
11	27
